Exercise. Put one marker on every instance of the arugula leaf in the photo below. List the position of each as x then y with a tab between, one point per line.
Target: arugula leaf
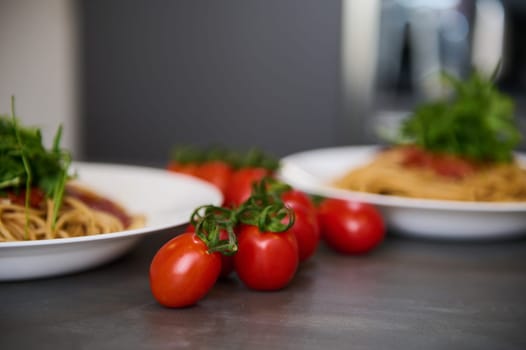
47	166
477	122
26	163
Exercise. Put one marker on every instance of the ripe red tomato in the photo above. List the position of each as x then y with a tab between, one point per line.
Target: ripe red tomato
182	272
295	198
240	185
350	227
265	260
227	261
307	232
217	173
227	266
182	168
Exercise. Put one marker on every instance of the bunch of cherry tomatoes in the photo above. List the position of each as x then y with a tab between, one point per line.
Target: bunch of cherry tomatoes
263	232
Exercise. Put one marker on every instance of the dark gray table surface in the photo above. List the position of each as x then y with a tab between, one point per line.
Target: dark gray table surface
407	294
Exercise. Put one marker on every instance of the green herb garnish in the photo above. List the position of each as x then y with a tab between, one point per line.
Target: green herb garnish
477	122
25	163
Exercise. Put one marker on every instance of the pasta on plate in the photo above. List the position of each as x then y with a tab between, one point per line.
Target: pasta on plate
411	172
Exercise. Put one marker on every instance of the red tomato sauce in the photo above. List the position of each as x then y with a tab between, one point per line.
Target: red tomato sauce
97	202
442	164
92	200
36	197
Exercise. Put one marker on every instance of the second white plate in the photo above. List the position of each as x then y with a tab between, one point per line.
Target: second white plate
312	171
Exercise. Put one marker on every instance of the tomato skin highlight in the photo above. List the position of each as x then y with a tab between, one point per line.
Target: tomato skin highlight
240	185
350	227
266	261
182	271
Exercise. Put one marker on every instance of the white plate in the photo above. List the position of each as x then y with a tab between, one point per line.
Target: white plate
312	170
166	199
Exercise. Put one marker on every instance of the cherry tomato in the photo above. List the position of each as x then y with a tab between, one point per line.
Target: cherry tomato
183	168
227	265
182	272
227	261
265	260
294	198
215	172
350	227
240	185
306	230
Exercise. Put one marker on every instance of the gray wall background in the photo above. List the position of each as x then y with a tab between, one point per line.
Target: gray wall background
237	73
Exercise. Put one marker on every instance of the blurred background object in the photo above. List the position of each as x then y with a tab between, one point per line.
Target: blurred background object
132	78
416	40
39	65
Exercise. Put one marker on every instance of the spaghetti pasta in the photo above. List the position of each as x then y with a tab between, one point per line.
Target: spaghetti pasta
82	213
394	172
